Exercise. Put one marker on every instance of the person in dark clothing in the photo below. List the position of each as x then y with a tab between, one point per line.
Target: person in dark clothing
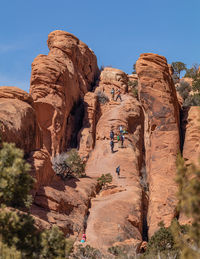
112	145
113	93
119	95
122	140
112	135
118	170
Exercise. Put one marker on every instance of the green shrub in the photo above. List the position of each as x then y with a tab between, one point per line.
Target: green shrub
53	243
9	252
15	181
104	180
68	164
74	162
161	241
192	100
17	229
102	98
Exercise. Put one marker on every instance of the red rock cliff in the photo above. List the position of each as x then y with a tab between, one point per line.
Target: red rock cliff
158	97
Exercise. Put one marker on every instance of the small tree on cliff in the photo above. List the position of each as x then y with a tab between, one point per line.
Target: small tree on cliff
178	67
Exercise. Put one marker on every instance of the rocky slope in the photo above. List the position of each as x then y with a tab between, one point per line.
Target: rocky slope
70	106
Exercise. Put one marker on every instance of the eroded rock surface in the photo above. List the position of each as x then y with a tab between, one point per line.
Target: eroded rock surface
158	97
58	82
18	119
116	214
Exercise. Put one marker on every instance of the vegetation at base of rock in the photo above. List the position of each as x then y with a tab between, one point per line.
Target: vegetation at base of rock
188	180
102	98
178	67
86	252
15	182
68	164
104	180
133	86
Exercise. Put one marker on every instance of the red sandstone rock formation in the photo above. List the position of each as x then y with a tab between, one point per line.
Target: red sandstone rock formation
191	148
116	214
18	119
58	81
158	97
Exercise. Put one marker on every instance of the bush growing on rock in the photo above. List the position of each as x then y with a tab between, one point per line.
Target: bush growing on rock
86	252
184	89
104	180
102	98
133	85
68	164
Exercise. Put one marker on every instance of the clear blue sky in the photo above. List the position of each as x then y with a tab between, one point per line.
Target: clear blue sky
117	31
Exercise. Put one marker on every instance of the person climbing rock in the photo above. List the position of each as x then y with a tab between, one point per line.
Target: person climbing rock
112	145
118	170
122	140
120	129
112	134
83	240
118	95
118	139
112	93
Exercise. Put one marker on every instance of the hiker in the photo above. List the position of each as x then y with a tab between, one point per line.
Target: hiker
118	95
118	170
122	140
112	93
112	134
83	240
120	129
112	145
118	140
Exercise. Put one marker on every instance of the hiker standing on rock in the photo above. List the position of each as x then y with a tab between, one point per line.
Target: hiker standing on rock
112	145
122	140
112	134
112	93
118	95
118	171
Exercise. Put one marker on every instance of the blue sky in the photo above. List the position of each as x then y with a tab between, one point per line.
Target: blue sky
117	31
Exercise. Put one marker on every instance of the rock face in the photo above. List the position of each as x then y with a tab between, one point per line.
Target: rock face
158	97
116	214
18	119
87	133
191	148
58	82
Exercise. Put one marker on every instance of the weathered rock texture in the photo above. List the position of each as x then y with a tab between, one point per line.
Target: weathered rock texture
116	214
191	148
58	82
158	97
18	119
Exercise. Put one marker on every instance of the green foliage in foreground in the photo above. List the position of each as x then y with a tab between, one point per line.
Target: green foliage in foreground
15	181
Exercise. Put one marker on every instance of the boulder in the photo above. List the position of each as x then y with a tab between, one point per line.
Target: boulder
158	97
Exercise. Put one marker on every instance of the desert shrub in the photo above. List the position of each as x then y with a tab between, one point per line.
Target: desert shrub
68	164
17	229
116	250
184	89
15	181
102	98
53	243
86	252
74	162
161	241
60	166
192	100
104	180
